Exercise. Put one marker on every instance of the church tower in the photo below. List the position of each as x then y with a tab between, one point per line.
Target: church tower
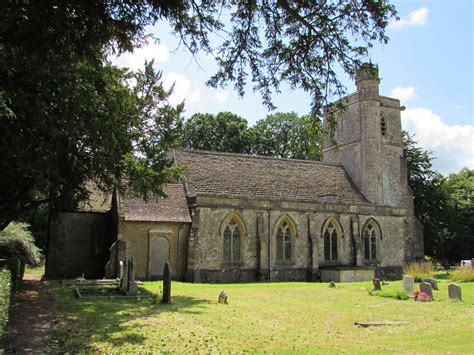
368	141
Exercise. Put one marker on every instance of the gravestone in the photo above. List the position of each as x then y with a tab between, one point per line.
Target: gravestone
166	284
222	297
124	280
431	281
121	270
332	284
377	286
454	292
408	283
426	288
132	285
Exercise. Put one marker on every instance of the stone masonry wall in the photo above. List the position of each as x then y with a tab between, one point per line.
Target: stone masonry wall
260	219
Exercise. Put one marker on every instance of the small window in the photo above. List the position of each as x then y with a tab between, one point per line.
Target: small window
371	234
383	124
231	241
331	234
284	242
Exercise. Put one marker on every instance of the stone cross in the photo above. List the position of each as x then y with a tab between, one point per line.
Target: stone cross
166	284
222	297
431	281
426	288
454	292
377	286
408	283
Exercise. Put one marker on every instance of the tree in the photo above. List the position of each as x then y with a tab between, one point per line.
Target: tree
69	117
445	206
287	135
224	132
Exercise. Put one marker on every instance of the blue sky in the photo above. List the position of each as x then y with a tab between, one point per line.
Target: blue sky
428	65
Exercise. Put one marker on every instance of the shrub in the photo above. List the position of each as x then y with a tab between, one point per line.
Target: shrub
463	274
4	300
419	269
397	294
16	241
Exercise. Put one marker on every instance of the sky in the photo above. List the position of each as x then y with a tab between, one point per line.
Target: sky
427	65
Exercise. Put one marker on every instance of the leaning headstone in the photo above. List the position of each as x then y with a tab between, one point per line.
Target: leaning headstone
132	286
377	286
431	281
426	288
454	292
408	283
222	297
332	284
166	284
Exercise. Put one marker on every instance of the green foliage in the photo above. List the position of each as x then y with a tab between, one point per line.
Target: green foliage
5	295
397	294
463	274
224	132
16	241
287	135
419	269
445	206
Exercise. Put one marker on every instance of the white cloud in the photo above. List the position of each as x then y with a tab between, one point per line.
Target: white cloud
182	89
452	145
417	17
221	97
194	97
404	94
136	59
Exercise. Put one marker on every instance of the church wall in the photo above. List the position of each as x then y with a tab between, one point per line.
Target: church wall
137	235
261	218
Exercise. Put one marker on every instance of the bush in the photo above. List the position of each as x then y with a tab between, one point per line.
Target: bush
16	241
4	300
419	269
463	274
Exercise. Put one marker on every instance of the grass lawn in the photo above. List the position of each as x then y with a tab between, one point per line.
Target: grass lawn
275	317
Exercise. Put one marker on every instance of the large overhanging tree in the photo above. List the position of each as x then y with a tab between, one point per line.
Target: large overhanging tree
67	117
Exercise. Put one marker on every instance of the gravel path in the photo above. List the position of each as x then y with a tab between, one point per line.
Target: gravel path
32	321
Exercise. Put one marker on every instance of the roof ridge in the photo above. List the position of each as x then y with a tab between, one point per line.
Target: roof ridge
251	156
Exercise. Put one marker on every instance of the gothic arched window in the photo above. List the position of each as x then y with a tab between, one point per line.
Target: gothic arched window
331	234
284	240
232	234
370	234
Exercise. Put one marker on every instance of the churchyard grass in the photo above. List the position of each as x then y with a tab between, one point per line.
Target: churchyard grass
274	317
419	269
463	274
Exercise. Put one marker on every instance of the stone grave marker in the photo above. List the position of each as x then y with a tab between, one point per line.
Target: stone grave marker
431	281
222	297
408	283
132	285
166	284
454	292
426	288
121	266
124	280
377	286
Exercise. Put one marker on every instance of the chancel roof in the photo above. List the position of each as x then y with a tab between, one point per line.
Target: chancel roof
172	208
241	175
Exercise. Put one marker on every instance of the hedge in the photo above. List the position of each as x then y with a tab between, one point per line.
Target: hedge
5	294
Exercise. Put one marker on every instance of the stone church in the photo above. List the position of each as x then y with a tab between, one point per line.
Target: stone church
247	218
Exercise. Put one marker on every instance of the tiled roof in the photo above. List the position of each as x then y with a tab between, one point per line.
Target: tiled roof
172	208
242	175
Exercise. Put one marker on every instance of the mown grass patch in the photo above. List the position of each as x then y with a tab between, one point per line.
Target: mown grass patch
272	317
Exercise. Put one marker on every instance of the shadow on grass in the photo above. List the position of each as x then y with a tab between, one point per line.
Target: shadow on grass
86	322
